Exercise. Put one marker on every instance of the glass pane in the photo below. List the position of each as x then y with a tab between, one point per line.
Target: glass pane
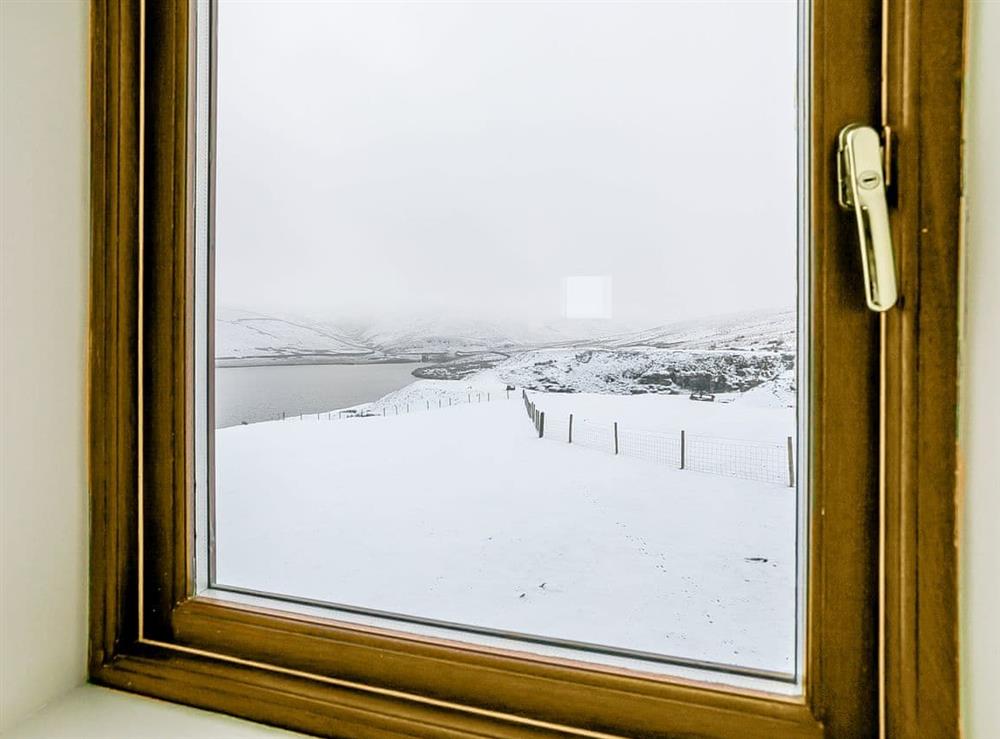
505	323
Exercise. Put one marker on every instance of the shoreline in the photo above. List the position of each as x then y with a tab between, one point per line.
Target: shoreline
228	363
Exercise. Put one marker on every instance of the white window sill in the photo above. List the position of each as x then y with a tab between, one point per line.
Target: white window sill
90	712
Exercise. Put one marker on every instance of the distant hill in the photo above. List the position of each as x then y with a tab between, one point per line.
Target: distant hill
244	337
771	331
247	338
634	358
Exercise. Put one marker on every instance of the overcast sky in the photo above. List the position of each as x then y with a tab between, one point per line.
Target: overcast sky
395	158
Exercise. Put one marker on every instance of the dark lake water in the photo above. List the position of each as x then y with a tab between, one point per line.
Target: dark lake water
254	394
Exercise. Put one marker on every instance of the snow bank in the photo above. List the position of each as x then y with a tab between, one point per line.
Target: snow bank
464	515
776	393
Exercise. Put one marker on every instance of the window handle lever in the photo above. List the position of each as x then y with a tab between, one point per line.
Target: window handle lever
861	188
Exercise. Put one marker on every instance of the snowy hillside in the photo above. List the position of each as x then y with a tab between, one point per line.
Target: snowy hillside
752	331
425	335
632	371
776	393
242	337
457	335
247	334
424	395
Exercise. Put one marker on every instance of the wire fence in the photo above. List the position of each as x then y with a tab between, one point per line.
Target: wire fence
652	446
399	407
593	435
761	461
750	460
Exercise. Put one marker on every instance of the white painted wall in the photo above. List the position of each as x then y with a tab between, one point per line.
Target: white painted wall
44	217
44	254
980	400
43	499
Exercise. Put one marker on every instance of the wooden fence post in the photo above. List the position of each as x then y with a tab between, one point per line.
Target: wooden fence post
791	464
570	428
541	424
616	437
682	448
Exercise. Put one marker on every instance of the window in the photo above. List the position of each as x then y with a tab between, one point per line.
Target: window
213	581
486	225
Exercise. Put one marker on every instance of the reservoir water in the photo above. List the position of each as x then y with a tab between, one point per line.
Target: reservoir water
252	394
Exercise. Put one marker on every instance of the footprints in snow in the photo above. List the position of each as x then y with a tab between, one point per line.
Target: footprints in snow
541	586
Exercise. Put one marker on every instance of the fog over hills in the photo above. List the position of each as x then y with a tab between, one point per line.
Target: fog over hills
245	337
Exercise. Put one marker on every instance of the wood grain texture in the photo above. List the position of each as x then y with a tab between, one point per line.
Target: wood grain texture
167	258
842	586
113	330
923	105
594	698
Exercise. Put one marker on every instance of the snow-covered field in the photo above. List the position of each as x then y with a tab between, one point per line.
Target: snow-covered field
728	417
462	514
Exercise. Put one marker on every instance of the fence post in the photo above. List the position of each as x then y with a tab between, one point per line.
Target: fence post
383	410
616	437
791	464
682	448
282	415
541	424
487	397
570	428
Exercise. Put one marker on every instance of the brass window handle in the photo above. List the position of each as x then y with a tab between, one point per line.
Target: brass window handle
861	188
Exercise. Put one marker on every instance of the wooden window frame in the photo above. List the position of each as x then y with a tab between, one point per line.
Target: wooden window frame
881	653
